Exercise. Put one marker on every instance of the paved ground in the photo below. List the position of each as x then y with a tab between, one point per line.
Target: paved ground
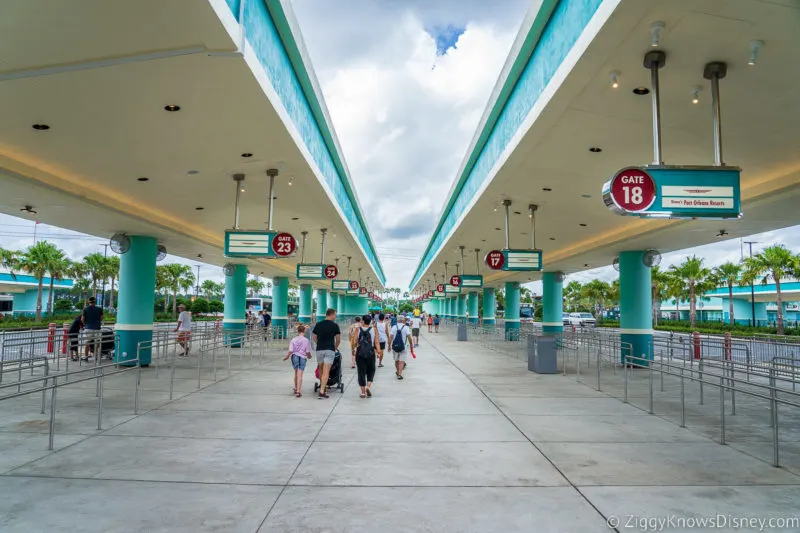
470	441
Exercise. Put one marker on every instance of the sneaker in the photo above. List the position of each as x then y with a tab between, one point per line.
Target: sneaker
399	376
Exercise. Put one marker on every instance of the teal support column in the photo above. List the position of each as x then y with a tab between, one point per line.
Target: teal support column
233	320
461	308
304	316
512	311
322	303
448	307
635	308
552	303
333	302
489	307
360	306
472	307
280	306
137	282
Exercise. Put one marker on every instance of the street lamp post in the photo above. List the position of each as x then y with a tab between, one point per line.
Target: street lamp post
752	290
197	286
103	289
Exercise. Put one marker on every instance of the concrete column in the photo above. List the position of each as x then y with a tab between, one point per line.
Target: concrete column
635	307
360	306
234	321
512	310
489	306
472	307
461	307
304	315
322	303
137	285
280	305
552	304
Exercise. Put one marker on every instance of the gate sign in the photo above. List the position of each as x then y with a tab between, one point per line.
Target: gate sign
522	260
450	289
249	243
363	290
455	281
430	294
284	244
471	282
313	271
331	271
439	294
353	285
495	260
340	285
676	192
440	287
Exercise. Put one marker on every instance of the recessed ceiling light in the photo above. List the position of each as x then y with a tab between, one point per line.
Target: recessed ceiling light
199	208
41	127
172	108
582	225
295	218
192	172
517	213
142	179
586	195
546	189
595	149
641	90
523	233
498	229
247	154
483	240
552	238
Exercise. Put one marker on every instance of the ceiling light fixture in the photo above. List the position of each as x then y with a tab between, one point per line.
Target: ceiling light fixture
295	218
498	229
641	91
655	30
290	180
172	108
40	127
199	256
142	179
695	93
755	46
199	208
595	149
586	195
552	238
247	154
582	225
614	74
517	213
192	172
546	189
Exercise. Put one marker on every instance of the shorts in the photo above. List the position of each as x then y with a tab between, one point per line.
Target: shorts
326	356
92	336
383	345
415	332
299	362
183	336
400	356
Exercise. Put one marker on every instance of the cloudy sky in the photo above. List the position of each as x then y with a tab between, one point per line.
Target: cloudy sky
406	83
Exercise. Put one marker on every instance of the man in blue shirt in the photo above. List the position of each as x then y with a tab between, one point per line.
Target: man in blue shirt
92	318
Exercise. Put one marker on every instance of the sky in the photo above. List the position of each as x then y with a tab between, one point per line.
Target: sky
406	83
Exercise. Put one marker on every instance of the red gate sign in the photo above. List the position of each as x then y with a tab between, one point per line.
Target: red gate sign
353	285
633	190
371	295
455	281
363	290
430	294
440	287
283	244
331	271
495	260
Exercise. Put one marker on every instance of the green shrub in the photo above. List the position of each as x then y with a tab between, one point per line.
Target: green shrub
200	305
215	306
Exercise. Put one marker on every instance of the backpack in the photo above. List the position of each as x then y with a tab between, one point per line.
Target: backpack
364	348
398	344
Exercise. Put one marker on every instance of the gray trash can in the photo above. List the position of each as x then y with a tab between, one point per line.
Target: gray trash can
542	357
461	335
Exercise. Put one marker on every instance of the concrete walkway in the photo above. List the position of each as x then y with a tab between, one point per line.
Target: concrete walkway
469	441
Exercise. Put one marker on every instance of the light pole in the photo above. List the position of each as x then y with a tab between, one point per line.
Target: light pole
103	289
197	287
752	290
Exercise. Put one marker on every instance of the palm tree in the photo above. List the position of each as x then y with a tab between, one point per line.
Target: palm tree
572	294
186	282
698	280
8	259
598	291
112	266
58	267
36	261
676	288
255	286
81	287
162	284
728	273
659	282
269	288
96	269
525	295
292	290
775	262
175	277
211	289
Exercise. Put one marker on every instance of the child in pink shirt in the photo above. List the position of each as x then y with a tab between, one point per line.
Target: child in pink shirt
300	352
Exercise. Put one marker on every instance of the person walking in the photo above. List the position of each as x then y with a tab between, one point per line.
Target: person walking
352	335
366	348
430	323
92	318
326	336
436	321
382	327
266	320
300	352
73	333
398	338
416	324
184	329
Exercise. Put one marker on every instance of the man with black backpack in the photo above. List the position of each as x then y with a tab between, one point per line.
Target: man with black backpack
366	347
397	339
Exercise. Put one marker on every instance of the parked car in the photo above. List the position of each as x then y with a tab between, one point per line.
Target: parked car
582	320
565	319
